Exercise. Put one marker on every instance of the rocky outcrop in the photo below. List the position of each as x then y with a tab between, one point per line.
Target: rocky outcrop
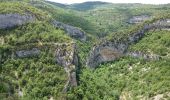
139	19
163	96
70	30
110	51
107	51
146	56
12	20
2	40
28	53
66	56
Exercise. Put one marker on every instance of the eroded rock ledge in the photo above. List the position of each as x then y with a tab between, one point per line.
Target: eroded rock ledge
70	30
110	51
12	20
146	56
28	53
139	19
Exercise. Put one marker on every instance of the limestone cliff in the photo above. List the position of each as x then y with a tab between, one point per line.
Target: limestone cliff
110	51
70	30
66	56
12	20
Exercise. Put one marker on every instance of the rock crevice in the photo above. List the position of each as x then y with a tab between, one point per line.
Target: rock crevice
66	56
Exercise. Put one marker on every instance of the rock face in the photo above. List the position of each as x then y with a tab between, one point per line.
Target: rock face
66	56
28	53
12	20
70	30
2	40
109	51
138	19
138	54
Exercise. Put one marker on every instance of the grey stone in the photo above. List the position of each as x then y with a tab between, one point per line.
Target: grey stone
105	52
66	56
12	20
70	30
139	19
28	53
146	56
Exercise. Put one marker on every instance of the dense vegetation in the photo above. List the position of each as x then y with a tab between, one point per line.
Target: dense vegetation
136	77
128	76
157	42
35	78
39	77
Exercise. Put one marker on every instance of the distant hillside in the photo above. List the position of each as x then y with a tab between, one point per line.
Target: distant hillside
57	4
87	5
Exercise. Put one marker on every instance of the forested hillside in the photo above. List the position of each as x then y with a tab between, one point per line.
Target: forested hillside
87	51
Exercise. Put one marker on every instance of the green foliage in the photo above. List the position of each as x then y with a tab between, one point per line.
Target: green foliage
156	42
34	33
68	17
87	5
37	77
139	77
41	78
22	8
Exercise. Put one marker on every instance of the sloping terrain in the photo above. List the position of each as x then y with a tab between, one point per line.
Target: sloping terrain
29	54
133	77
86	51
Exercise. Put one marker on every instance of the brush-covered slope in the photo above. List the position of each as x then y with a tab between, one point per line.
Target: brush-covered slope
101	19
131	77
90	51
29	66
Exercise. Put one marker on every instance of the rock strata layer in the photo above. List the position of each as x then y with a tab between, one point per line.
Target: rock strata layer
12	20
70	30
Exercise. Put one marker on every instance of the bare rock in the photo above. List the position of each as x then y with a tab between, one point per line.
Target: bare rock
105	52
70	30
12	20
66	56
139	19
28	53
138	54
